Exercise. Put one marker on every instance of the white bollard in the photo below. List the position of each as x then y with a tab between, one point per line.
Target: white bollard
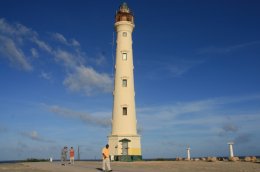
188	153
231	152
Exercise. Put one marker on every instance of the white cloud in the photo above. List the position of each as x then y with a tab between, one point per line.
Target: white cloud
176	68
59	37
20	33
12	39
200	124
223	50
81	78
33	135
87	80
34	53
100	59
216	113
68	59
45	75
75	43
41	44
14	54
16	30
15	38
83	116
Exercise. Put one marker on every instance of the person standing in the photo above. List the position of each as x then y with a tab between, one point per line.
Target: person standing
71	155
106	160
64	155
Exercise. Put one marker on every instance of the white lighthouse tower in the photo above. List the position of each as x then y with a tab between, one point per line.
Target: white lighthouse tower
124	141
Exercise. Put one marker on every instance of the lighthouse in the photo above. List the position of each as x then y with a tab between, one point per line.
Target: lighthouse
124	141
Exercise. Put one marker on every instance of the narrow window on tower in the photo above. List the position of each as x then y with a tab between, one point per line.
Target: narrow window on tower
124	56
124	110
124	34
124	84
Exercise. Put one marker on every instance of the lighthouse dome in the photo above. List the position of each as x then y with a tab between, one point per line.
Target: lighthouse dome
124	14
124	8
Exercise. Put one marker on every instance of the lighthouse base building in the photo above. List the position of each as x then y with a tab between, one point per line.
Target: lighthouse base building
124	142
125	148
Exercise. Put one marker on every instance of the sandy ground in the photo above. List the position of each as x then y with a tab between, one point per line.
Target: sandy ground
144	166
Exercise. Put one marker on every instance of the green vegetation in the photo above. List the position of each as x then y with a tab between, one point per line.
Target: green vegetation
36	160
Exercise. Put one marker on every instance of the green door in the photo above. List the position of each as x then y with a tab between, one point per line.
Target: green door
125	147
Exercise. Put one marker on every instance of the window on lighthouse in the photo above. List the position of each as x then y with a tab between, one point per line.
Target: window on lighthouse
124	110
124	34
124	56
124	83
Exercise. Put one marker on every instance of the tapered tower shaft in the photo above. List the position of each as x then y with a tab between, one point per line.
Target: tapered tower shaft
124	140
124	115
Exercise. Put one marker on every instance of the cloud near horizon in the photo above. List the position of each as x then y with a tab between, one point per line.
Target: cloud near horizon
216	117
207	122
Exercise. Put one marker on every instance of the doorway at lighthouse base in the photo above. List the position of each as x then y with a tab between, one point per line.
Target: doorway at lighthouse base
125	148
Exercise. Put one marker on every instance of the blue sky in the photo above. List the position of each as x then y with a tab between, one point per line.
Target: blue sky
197	83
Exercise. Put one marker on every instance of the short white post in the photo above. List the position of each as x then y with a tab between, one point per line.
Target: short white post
231	152
188	153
